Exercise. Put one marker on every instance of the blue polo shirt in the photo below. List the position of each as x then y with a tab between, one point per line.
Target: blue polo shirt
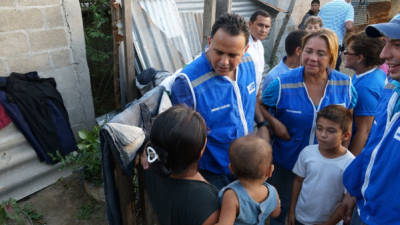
369	87
280	68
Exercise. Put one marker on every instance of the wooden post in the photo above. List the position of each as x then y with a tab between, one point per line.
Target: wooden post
223	6
117	38
126	195
281	31
131	89
208	20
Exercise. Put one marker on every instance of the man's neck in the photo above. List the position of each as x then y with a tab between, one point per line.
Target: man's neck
292	61
254	39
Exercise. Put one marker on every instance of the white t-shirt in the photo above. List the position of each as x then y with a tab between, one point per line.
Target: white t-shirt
322	189
256	51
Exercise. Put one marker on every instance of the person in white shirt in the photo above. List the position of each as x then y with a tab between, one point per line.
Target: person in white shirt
318	188
260	25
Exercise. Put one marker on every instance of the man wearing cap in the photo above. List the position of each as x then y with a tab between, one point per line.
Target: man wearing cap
373	178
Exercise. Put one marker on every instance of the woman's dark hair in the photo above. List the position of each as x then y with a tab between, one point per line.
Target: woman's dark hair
178	135
369	47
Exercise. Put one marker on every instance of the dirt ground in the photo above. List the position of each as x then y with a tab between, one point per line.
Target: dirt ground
67	203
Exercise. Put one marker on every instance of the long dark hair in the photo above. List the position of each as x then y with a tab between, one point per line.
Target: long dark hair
178	135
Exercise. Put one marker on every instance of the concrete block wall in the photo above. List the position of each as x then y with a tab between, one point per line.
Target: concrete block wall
47	36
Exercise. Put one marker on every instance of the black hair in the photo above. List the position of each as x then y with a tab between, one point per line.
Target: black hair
315	1
178	135
262	13
293	40
247	154
369	47
337	114
233	24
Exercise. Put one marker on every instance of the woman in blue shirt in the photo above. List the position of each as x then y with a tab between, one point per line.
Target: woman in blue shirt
362	56
297	96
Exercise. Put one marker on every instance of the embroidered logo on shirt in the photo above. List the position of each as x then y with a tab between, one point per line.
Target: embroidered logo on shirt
251	87
397	134
293	111
220	107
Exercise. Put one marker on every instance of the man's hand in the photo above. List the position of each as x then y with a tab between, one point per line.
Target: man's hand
263	133
291	218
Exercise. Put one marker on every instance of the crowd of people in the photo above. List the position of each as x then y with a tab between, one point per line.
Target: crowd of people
306	144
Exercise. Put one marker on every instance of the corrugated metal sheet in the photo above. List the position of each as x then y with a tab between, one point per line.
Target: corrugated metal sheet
21	173
159	39
191	12
167	33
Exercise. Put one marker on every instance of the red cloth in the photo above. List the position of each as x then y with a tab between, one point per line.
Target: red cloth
4	119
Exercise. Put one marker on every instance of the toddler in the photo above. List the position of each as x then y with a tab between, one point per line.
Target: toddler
249	199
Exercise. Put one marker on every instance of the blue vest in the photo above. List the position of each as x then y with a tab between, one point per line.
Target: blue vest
227	107
374	176
250	211
296	110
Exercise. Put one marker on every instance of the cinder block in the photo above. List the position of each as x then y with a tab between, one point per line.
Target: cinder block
12	19
7	3
38	2
54	17
12	44
61	58
24	64
45	40
65	77
3	69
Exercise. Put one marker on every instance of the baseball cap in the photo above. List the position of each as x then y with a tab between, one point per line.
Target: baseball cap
390	29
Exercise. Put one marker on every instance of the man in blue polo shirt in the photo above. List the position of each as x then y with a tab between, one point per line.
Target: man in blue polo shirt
373	179
221	85
338	15
291	60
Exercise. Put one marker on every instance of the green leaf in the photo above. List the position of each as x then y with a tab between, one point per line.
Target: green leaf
83	134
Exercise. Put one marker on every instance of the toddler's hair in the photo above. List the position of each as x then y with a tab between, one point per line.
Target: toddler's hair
247	155
313	20
337	114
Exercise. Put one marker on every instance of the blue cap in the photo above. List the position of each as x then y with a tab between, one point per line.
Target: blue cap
390	29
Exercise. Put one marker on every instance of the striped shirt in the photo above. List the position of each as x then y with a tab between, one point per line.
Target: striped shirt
335	14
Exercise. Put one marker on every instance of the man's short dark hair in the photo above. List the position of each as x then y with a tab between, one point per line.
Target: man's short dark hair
232	24
315	1
262	13
369	47
293	40
337	114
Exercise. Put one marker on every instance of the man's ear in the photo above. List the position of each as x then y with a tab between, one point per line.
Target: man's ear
209	41
246	48
361	58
